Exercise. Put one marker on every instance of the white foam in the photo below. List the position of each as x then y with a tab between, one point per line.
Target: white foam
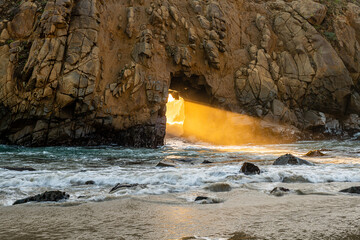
341	165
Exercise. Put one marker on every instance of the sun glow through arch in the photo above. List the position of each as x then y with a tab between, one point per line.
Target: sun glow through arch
175	116
197	122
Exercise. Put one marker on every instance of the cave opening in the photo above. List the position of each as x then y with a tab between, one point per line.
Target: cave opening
192	114
184	89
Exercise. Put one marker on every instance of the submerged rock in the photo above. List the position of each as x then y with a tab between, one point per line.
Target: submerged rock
289	159
295	179
199	198
123	186
315	153
49	196
241	236
91	182
352	190
165	164
250	169
20	169
219	187
279	191
207	200
206	162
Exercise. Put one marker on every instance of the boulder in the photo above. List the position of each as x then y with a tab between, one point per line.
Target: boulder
279	191
90	182
289	159
165	164
295	179
250	169
352	190
199	198
206	162
219	187
22	24
352	123
315	153
49	196
19	169
315	119
312	11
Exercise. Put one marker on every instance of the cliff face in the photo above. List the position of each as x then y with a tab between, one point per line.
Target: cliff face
99	71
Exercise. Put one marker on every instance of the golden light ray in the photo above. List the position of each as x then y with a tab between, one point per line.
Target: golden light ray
207	124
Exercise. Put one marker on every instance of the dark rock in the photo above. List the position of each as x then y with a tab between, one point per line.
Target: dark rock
315	153
279	191
207	200
352	190
199	198
220	187
165	164
50	196
289	159
206	162
250	169
20	169
122	186
91	182
188	238
295	179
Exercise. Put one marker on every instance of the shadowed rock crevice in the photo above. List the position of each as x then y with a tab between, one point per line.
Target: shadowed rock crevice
192	88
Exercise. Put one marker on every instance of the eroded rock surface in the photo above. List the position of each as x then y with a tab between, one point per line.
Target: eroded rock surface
279	191
219	187
352	190
97	72
250	169
289	159
19	169
50	196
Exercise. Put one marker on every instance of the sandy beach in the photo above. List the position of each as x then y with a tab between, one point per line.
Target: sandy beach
172	216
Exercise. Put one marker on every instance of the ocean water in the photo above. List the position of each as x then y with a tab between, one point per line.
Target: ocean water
69	168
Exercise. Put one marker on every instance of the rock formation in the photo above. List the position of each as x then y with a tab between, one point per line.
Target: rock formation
99	71
352	190
49	196
19	169
289	159
219	187
279	191
250	169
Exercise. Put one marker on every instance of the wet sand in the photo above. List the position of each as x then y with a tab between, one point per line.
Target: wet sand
171	216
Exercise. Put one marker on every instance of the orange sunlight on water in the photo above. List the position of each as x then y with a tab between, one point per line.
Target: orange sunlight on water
198	122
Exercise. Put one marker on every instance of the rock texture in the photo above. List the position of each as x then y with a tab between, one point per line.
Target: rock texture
99	71
250	169
352	190
19	169
50	196
289	159
315	153
219	187
279	191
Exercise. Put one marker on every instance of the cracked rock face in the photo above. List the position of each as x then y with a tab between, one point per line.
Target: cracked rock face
99	71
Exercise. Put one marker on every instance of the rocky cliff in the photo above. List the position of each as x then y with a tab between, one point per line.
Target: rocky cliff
99	71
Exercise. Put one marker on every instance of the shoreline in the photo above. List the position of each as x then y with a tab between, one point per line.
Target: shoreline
171	216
